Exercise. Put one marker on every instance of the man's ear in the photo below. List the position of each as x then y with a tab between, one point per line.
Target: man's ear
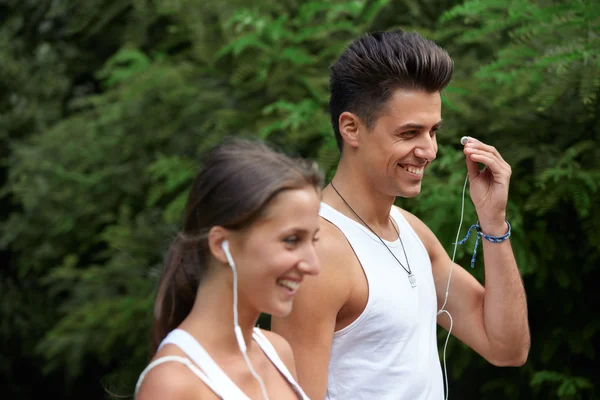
349	125
216	236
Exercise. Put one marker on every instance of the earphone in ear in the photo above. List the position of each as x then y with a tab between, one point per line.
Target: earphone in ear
225	247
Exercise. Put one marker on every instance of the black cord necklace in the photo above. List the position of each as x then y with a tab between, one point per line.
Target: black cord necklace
411	277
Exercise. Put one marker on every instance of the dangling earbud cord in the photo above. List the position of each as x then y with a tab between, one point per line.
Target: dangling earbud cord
236	327
442	310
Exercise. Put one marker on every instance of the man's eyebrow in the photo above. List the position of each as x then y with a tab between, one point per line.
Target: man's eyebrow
412	125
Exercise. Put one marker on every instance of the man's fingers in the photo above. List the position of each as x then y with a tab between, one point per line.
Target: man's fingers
478	144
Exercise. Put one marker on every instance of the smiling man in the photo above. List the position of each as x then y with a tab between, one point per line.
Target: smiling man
365	328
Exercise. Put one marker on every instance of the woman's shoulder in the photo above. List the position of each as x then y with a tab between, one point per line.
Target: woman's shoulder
172	378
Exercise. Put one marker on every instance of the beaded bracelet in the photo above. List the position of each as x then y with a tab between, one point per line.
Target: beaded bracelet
489	238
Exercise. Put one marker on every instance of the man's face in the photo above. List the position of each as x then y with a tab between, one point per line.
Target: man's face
402	142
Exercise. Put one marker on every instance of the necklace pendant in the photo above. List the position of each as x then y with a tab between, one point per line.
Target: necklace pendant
412	279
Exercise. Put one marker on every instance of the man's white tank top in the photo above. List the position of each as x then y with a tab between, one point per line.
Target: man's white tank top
390	351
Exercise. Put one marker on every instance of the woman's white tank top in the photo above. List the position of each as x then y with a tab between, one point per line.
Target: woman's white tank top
205	368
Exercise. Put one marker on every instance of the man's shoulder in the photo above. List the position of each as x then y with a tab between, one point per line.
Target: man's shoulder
320	298
410	217
336	259
422	230
330	232
333	246
426	235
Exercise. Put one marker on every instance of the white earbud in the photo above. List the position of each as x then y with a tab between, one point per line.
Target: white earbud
464	140
225	247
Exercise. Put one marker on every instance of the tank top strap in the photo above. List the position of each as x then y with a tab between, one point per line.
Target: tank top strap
183	360
202	359
399	218
406	229
269	350
337	218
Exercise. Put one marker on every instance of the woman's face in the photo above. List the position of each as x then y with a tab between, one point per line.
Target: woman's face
277	251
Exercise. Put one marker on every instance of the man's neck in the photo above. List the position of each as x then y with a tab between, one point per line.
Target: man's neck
365	201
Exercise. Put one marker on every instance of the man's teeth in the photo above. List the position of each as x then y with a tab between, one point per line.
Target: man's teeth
413	170
292	285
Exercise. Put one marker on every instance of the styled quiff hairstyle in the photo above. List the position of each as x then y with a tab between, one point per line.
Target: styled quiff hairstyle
375	65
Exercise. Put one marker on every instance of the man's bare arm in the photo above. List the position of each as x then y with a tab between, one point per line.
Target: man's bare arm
492	320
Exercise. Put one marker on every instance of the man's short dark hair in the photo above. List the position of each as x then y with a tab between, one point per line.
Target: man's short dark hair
375	65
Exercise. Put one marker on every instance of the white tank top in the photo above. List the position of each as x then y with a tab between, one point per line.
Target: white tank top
205	368
390	351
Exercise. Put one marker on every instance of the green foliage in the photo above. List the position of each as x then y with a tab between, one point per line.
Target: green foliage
569	387
290	53
549	42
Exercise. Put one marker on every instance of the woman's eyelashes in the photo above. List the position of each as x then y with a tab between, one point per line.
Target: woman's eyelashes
291	240
294	240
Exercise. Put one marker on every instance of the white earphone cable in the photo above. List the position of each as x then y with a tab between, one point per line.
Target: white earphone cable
443	310
238	331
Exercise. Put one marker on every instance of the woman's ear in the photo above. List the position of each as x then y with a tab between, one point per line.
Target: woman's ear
216	237
349	125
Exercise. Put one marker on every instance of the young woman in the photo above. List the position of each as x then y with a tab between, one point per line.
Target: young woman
251	221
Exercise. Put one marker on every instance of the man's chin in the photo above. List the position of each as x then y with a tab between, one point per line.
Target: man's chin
409	193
